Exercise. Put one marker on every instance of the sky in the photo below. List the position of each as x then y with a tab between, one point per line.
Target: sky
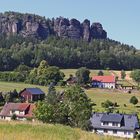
120	18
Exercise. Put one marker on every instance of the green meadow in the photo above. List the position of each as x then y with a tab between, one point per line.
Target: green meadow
97	95
67	72
37	131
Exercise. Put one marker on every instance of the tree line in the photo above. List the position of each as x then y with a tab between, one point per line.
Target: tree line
67	53
45	74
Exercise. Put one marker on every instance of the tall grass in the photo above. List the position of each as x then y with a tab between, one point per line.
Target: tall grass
28	131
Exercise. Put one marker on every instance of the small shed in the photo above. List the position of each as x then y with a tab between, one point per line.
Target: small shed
32	94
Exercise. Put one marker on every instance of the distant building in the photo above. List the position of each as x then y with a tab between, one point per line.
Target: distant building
104	82
32	94
21	110
120	125
72	80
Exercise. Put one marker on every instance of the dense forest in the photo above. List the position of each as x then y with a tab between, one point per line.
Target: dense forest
67	53
28	39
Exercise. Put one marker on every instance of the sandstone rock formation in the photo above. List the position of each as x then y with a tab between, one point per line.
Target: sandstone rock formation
29	25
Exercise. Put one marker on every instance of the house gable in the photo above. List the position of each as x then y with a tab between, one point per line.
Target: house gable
32	94
122	125
104	81
21	110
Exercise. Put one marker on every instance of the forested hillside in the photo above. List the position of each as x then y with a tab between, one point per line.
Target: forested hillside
89	48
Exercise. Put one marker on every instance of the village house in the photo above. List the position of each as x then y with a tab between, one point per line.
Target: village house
32	94
23	111
104	82
120	125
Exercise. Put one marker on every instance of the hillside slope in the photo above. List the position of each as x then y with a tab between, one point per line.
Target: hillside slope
28	39
26	131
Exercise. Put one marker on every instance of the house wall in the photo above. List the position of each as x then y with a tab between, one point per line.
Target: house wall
109	85
17	112
103	85
21	119
22	112
26	95
5	118
124	134
38	97
111	124
9	118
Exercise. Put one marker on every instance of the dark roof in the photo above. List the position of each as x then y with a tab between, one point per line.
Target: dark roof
112	118
35	90
72	79
130	121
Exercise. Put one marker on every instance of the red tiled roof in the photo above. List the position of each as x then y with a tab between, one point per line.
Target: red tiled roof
23	106
17	106
104	79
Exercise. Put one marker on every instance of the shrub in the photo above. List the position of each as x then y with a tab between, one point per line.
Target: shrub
138	136
133	100
14	117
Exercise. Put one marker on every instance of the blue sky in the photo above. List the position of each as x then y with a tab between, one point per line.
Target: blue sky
120	18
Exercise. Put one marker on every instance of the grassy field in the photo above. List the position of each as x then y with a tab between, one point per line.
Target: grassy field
18	131
100	95
10	86
67	72
28	131
97	95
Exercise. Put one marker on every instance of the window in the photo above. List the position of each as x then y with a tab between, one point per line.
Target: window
3	117
114	124
114	131
21	112
13	111
105	131
125	132
105	123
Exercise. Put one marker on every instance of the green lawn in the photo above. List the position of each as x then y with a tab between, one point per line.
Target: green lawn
100	95
10	86
97	95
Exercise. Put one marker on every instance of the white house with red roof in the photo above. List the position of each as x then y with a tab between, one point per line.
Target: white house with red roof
104	82
21	110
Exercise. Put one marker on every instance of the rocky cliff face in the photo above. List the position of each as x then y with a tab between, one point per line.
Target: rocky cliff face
35	26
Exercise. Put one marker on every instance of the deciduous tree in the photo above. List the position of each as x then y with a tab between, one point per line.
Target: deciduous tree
82	75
